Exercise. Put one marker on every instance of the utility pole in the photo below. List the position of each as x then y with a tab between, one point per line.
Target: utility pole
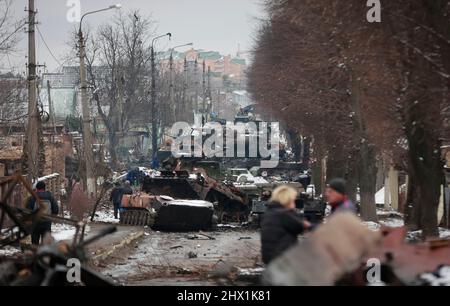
185	85
204	92
171	98
196	84
87	134
208	92
153	95
51	111
33	114
171	89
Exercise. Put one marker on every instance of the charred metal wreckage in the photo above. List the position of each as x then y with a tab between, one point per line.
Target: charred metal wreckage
48	264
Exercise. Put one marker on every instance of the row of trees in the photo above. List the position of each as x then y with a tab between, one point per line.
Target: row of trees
362	92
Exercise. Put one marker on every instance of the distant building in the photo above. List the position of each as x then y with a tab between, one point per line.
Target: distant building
219	64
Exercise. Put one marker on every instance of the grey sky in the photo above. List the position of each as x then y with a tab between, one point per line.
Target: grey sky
210	24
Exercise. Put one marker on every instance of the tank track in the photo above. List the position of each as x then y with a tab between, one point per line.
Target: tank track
137	218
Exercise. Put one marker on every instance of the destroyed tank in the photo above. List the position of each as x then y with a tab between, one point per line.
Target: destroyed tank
230	203
137	210
166	214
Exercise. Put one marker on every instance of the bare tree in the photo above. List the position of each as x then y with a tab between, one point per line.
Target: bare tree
362	91
118	68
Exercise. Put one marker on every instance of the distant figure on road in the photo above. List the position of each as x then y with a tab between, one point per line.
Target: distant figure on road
127	189
336	195
50	207
116	198
281	224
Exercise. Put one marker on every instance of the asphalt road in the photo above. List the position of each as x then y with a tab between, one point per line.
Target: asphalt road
160	258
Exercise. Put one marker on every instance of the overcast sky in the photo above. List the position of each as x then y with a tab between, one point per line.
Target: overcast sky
219	25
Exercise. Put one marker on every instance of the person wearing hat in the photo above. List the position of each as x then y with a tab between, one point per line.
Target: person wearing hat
281	224
336	195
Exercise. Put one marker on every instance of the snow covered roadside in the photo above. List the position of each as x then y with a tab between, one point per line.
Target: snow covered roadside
61	232
105	216
440	278
9	251
394	219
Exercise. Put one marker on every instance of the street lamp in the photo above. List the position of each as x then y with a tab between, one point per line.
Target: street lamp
87	136
171	76
153	95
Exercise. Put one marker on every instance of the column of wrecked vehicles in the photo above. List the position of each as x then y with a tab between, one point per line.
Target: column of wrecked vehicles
197	195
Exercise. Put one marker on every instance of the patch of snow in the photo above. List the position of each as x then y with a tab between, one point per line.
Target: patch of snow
105	216
389	213
444	233
227	226
9	251
192	203
61	232
439	278
250	271
393	222
417	235
373	226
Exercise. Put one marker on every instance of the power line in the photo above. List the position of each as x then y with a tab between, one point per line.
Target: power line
48	48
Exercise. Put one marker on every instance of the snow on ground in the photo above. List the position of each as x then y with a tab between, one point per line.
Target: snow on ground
417	235
9	251
392	222
439	278
105	216
66	232
373	226
61	232
388	218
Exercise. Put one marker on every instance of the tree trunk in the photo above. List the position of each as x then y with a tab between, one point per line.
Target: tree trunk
425	172
113	143
367	182
317	171
306	152
367	172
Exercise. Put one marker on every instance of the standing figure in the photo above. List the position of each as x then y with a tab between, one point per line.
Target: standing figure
336	195
116	198
281	224
48	205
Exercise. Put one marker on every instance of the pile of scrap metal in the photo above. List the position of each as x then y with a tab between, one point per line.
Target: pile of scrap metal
345	252
230	203
166	214
47	265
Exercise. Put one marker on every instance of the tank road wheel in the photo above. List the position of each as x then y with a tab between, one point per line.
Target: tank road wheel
136	218
133	218
142	218
123	217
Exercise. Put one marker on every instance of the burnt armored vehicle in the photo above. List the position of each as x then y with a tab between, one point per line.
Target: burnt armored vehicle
167	214
230	203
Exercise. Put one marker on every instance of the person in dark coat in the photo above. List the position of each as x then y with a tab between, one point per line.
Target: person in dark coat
336	195
116	198
49	206
281	224
127	188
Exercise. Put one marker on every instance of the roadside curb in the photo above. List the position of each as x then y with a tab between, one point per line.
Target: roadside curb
115	247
